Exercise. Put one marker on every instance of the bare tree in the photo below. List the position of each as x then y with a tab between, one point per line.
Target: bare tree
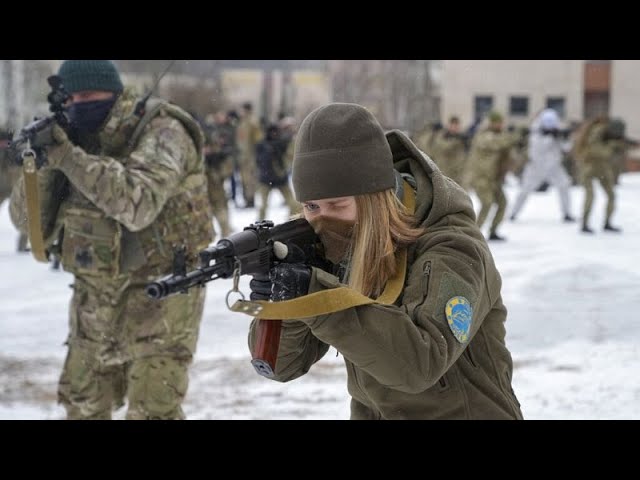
400	93
24	89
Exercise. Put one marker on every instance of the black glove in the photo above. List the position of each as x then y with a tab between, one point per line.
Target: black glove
288	279
260	287
285	281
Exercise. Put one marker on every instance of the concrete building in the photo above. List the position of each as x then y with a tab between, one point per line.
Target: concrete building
517	88
578	89
625	94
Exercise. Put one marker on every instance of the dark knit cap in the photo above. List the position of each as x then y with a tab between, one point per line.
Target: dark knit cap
81	75
341	150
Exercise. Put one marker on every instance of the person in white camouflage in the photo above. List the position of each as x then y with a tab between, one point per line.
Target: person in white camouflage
546	147
119	193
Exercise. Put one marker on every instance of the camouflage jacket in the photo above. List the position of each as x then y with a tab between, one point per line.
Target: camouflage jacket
9	173
219	151
248	134
597	150
120	211
449	153
490	155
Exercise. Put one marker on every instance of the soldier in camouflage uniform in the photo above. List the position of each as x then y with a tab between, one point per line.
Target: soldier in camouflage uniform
119	198
232	123
272	171
218	154
287	126
424	138
9	174
600	141
248	134
490	160
449	151
519	152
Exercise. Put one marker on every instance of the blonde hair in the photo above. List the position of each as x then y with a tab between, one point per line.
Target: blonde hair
383	227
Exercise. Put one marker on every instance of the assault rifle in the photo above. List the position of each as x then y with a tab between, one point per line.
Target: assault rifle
253	251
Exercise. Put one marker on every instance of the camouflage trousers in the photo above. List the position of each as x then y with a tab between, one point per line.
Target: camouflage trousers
490	193
605	174
265	190
248	176
219	205
123	345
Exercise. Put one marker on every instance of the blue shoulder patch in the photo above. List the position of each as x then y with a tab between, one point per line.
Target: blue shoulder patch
459	315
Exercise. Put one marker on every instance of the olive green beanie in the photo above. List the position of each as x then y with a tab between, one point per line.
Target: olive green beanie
81	75
341	150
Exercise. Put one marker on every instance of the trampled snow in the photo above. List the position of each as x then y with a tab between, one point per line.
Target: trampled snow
573	303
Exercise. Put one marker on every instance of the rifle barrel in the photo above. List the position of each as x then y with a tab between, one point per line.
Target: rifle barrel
181	283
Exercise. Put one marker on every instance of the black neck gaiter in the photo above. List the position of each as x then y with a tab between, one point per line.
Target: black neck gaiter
88	117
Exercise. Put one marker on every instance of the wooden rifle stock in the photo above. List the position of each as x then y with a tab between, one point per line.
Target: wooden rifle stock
265	352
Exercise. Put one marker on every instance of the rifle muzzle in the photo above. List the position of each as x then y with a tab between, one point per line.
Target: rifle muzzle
157	290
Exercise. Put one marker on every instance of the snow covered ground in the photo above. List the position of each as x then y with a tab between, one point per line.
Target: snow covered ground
572	327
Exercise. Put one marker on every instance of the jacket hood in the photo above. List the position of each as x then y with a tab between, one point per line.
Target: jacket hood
437	196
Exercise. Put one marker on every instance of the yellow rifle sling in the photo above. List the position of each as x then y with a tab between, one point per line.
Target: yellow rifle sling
32	194
334	299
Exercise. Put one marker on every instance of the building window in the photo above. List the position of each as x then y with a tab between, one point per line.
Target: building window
482	105
557	103
519	106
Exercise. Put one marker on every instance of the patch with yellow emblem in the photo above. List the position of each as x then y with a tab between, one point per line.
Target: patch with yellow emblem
459	315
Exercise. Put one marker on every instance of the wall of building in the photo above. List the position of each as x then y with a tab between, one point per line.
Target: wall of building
537	80
625	94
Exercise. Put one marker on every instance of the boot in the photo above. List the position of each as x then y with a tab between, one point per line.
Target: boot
568	219
55	263
23	242
586	229
610	228
495	236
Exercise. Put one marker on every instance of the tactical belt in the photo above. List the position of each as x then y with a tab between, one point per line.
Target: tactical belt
32	193
334	299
